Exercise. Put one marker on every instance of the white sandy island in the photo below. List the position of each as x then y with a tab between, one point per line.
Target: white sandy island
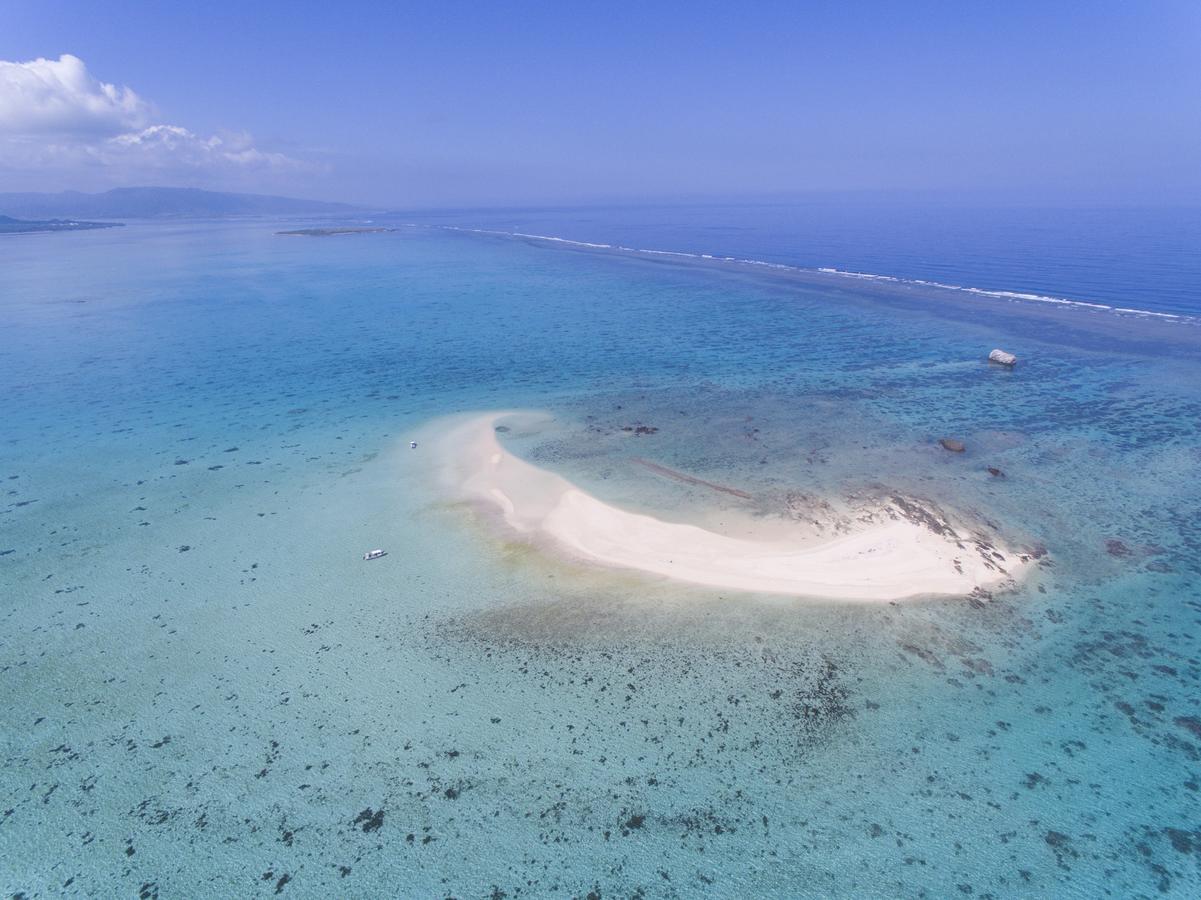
889	559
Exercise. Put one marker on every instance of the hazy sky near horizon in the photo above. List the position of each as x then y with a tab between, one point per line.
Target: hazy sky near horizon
407	104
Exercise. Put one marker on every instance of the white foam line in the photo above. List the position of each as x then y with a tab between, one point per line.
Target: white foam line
840	273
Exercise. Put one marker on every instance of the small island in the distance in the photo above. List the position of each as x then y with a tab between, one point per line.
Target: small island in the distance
329	232
9	225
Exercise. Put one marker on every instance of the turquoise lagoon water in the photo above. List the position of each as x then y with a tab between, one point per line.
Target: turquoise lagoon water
209	693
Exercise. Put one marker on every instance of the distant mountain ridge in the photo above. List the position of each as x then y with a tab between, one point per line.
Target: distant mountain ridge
158	202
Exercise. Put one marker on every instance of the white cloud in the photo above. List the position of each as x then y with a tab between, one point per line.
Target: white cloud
55	117
174	145
47	96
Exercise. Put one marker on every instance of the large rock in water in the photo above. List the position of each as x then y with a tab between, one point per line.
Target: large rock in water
1003	358
953	445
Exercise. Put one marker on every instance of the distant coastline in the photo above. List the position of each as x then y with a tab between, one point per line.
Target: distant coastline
162	202
9	225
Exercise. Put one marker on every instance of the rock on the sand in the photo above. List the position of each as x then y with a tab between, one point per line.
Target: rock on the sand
953	445
1002	357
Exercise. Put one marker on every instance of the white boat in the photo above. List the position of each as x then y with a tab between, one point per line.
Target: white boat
375	554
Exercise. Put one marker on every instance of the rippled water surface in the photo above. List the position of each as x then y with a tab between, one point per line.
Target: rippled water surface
208	691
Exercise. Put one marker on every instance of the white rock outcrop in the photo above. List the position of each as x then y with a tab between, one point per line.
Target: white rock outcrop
1000	356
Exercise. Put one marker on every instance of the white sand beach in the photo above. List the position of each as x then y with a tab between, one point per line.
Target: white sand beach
892	558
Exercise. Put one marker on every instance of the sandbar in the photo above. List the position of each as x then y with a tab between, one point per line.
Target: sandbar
894	556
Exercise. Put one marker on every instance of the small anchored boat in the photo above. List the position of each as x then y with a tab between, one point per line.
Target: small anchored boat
375	554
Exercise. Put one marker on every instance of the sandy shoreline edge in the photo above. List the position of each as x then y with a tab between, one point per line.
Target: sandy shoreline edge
892	559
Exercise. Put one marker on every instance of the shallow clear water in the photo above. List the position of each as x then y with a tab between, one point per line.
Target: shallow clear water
209	692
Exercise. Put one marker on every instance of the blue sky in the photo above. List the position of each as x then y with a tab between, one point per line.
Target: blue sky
471	103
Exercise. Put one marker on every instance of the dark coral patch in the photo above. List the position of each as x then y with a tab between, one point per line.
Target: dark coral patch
370	820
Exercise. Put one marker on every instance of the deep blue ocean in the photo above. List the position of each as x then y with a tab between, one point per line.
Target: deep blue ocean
203	426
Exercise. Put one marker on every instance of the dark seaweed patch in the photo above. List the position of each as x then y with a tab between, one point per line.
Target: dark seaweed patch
370	819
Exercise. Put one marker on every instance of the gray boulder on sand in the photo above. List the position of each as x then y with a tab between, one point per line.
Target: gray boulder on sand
1000	356
953	445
